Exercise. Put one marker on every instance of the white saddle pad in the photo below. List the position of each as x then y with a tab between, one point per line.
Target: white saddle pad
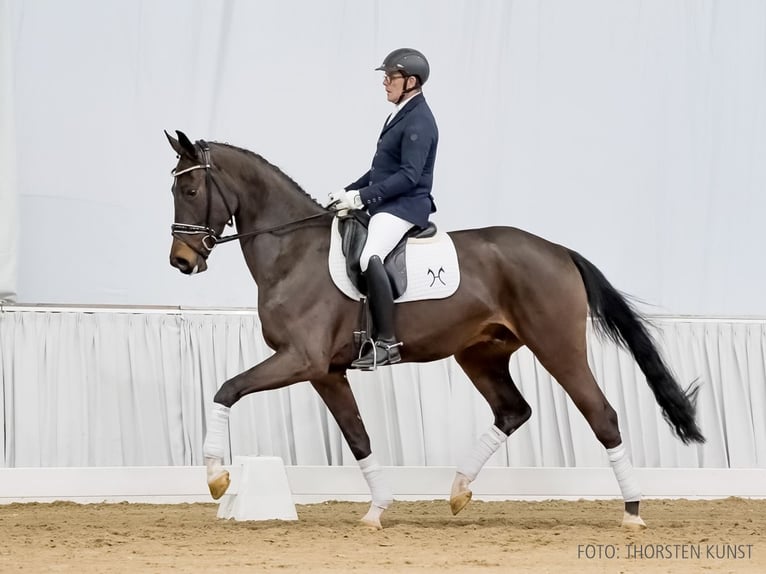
432	269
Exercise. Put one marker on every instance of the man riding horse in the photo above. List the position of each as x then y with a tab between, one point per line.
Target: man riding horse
396	191
516	289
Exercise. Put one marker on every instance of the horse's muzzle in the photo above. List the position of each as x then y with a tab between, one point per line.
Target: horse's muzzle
185	259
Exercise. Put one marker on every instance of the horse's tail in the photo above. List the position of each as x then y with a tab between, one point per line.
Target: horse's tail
614	317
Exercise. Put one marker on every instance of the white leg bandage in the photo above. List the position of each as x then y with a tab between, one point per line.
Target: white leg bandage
484	448
217	437
373	474
623	470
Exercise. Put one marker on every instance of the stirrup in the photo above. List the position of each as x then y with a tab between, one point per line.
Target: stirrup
366	363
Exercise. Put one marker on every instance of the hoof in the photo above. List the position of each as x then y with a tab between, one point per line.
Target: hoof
372	523
372	518
219	485
459	501
633	522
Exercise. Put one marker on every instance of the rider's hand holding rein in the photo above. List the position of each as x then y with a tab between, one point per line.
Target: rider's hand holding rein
340	200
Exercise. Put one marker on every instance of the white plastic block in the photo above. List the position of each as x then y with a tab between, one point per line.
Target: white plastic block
259	490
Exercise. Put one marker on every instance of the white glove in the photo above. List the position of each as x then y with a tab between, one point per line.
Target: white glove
354	197
335	199
340	200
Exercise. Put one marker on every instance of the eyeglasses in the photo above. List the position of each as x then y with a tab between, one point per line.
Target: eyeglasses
388	79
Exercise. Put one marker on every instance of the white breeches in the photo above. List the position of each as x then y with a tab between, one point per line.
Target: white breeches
383	233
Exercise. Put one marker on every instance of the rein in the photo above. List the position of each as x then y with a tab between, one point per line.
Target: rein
212	238
228	238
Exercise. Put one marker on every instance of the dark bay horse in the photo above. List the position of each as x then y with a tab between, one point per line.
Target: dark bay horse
516	289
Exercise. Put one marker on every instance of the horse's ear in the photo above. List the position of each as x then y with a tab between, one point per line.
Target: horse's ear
182	145
186	144
174	143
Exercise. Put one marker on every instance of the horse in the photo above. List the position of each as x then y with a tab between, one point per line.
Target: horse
516	289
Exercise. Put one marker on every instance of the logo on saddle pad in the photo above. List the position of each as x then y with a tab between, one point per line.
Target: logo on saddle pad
431	272
436	276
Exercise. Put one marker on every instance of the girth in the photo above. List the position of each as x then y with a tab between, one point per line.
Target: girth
353	231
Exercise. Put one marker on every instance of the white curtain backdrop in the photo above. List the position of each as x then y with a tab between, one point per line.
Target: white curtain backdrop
8	194
109	388
632	131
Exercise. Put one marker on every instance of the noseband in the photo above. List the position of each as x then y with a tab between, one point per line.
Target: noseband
211	238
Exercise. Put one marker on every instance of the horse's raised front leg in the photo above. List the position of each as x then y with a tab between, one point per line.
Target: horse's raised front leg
337	395
486	364
281	369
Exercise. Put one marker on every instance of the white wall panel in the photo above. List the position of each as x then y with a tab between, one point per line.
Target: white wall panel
8	191
631	131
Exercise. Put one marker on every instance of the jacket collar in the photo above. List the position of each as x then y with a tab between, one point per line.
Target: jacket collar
411	105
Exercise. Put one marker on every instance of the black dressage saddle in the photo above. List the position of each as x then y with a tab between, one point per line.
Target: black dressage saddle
353	231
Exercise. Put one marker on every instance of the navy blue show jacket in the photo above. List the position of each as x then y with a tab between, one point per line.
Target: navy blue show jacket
402	173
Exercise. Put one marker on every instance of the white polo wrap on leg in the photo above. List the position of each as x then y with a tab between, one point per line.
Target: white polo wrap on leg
484	448
623	470
217	437
373	474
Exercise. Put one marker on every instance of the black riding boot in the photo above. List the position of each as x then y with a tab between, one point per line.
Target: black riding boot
385	350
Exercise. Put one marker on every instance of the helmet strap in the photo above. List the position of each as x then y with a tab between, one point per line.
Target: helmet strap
406	91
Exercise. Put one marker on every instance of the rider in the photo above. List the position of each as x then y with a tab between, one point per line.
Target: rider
396	191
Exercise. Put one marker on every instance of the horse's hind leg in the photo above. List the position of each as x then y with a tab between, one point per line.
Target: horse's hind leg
486	364
581	386
337	395
569	366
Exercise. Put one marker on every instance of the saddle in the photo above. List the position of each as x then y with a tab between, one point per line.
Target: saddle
353	231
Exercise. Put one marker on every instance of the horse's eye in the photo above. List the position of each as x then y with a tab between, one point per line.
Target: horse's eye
191	192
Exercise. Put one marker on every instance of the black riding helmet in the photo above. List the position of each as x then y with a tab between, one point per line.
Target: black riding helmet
407	61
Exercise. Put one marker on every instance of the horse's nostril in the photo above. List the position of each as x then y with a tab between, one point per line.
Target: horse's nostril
181	264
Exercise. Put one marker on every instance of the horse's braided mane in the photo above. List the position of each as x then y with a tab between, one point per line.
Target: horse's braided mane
271	165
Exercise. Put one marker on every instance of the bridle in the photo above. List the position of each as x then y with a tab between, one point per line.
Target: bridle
211	238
